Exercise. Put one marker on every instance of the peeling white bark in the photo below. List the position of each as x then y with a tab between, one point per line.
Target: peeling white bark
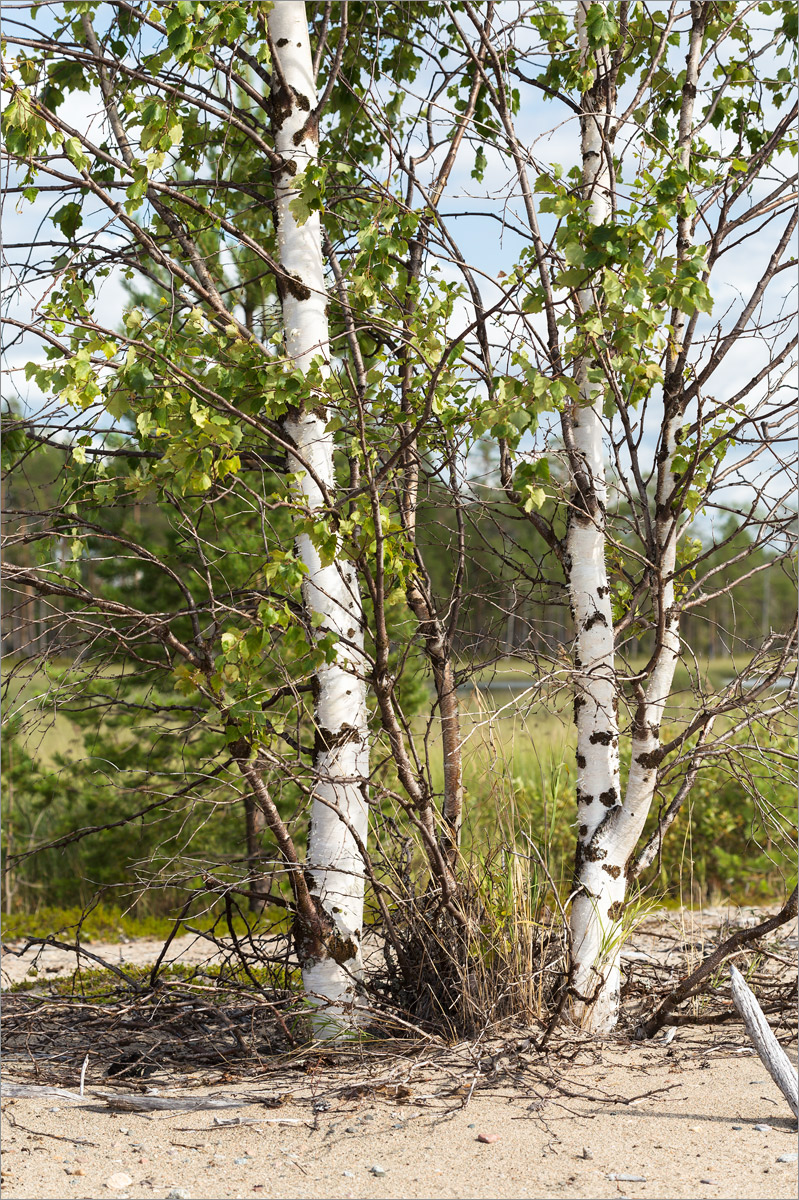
596	909
339	815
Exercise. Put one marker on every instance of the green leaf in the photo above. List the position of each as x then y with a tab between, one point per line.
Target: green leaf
480	164
600	25
74	152
69	219
299	209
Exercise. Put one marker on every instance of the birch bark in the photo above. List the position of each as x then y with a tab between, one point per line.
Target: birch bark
339	814
599	879
608	828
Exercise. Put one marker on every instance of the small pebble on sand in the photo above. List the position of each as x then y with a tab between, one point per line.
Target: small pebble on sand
763	1128
788	1158
118	1181
377	1170
488	1138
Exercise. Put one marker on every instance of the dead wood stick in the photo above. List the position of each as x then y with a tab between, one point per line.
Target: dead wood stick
691	982
772	1055
163	1103
146	1104
38	1091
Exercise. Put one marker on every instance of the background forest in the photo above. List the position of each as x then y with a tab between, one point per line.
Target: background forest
64	769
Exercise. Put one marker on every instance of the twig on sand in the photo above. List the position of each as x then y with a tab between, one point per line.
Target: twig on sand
59	1137
79	951
772	1055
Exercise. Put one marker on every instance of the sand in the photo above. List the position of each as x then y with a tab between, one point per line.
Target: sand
677	1139
681	1114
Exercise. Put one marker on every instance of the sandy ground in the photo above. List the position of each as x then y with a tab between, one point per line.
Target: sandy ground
684	1115
697	1139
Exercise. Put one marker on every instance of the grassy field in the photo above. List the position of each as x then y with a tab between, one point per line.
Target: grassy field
732	840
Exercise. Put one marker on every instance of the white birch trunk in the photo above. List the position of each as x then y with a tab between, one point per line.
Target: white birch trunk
609	830
599	876
339	814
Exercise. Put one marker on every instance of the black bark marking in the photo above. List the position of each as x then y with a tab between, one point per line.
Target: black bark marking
614	872
587	852
342	949
309	130
596	618
580	760
603	738
609	797
652	758
616	909
294	284
326	739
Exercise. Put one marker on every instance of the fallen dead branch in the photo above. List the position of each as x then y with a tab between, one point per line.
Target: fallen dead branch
772	1055
145	1104
26	1091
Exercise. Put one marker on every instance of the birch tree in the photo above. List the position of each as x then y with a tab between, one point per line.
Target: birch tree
204	207
227	389
625	353
339	818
